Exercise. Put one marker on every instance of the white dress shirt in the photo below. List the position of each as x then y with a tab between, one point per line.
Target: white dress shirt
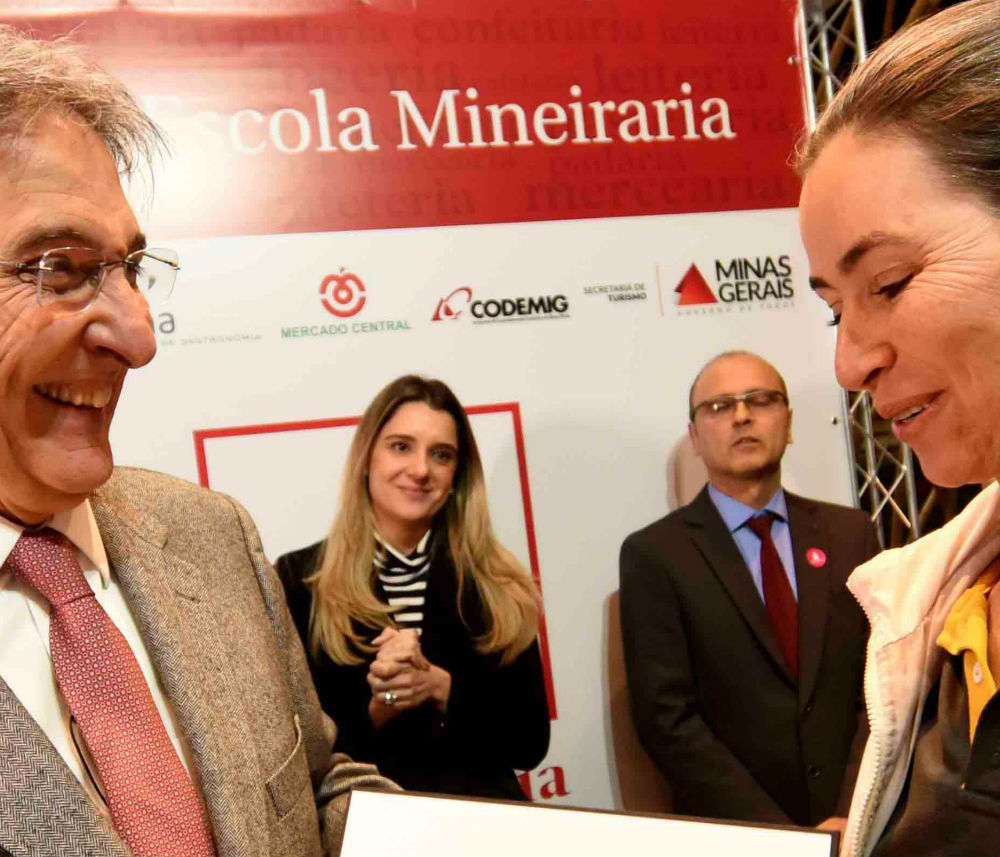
25	664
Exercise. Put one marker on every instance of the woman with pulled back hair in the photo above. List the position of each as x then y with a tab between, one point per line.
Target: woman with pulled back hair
421	627
900	216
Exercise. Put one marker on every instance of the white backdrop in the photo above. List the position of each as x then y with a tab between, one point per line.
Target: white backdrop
602	393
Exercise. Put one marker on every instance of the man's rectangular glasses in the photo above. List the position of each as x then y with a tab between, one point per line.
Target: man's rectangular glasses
755	400
75	275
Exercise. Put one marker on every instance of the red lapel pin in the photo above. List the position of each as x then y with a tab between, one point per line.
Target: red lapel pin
815	557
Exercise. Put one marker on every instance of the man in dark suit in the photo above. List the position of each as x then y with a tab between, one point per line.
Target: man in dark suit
744	650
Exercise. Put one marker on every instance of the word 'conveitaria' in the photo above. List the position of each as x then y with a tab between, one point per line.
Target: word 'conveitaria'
459	121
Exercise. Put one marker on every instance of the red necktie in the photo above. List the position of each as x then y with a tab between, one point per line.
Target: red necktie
779	599
153	803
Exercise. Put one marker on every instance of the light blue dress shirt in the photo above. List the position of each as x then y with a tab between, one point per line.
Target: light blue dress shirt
737	514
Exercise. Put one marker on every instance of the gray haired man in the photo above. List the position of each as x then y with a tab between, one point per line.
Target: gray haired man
154	697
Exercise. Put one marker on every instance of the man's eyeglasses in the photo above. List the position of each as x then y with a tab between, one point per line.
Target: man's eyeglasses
75	275
755	400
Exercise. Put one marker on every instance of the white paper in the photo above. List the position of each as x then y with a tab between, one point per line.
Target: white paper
391	824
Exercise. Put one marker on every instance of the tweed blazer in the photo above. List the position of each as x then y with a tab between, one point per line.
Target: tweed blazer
213	617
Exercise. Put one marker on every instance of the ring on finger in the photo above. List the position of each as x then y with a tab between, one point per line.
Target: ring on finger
390	698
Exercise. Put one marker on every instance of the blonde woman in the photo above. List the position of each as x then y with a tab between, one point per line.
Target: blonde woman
421	628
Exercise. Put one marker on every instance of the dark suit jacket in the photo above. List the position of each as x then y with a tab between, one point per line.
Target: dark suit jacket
714	703
497	717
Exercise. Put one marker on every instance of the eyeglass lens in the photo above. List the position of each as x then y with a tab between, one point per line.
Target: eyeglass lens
754	399
75	274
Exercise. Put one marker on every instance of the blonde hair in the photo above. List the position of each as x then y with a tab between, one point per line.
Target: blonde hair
343	585
937	82
39	77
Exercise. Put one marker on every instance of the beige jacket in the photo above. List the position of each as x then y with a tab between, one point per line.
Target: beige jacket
213	617
907	594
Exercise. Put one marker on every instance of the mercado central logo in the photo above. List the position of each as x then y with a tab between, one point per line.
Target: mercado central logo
491	310
741	283
343	295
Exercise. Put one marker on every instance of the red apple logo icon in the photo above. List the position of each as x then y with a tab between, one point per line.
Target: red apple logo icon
342	294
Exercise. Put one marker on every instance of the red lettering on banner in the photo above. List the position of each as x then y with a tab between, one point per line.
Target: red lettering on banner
551	782
390	115
556	786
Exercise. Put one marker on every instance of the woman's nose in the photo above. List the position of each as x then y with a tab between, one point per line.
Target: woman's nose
863	351
419	466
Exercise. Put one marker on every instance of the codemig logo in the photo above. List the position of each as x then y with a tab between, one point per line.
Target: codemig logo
454	305
742	282
488	310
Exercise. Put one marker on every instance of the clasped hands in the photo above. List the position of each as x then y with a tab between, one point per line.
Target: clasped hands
400	667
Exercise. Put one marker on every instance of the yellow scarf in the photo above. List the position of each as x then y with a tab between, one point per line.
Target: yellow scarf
966	630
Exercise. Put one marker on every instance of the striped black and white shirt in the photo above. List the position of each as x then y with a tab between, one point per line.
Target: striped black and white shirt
402	581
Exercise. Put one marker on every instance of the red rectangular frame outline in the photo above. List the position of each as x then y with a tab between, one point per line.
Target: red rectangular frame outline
513	408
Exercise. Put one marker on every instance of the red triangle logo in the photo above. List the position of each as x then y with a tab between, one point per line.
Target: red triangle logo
693	289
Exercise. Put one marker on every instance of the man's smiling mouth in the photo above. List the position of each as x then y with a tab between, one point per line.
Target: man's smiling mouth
64	394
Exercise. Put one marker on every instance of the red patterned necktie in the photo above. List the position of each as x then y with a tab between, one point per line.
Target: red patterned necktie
153	803
779	599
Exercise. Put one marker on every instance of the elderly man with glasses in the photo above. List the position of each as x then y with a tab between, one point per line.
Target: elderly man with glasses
744	650
154	698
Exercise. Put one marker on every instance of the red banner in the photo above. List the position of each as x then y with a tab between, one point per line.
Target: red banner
450	112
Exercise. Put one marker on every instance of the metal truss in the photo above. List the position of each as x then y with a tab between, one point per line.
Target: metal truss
831	36
885	473
831	41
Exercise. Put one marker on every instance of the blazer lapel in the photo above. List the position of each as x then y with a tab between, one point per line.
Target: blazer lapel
43	809
813	585
717	546
181	632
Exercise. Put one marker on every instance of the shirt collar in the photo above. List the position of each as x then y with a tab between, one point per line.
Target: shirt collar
735	514
77	524
967	629
417	552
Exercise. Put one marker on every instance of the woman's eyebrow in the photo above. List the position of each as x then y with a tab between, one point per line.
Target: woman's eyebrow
849	261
